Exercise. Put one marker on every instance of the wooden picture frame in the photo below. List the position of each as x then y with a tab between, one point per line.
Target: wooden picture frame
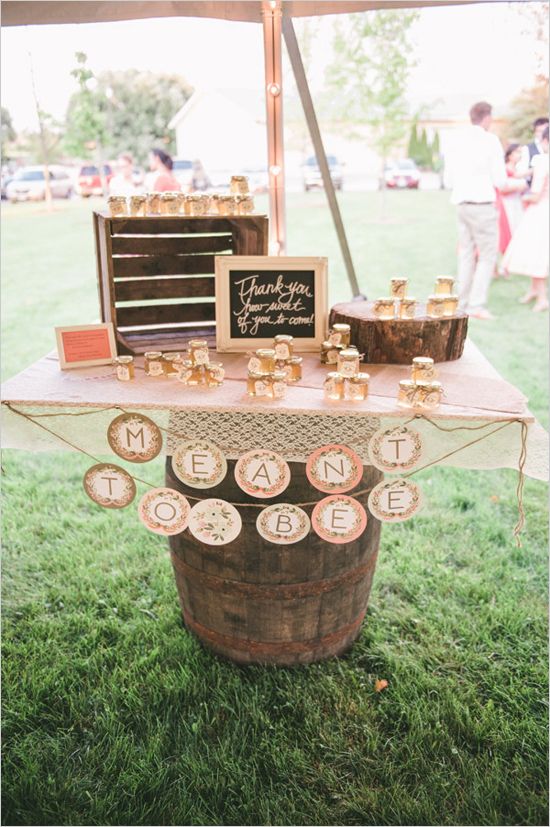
281	295
77	342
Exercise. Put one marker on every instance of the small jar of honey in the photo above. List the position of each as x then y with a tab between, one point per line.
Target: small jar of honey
444	285
259	384
169	203
406	396
263	361
191	374
198	351
125	370
340	334
117	205
153	363
428	394
356	387
153	203
171	363
293	369
398	288
278	384
246	204
407	308
451	305
215	374
329	353
384	308
138	205
239	185
348	361
423	368
334	385
283	346
435	306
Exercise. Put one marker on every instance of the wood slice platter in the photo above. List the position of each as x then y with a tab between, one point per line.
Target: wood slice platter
398	341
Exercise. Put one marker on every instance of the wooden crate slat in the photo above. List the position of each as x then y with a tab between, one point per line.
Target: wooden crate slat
170	245
172	288
146	266
183	224
157	314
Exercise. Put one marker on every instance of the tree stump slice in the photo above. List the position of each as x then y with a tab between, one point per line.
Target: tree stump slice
398	341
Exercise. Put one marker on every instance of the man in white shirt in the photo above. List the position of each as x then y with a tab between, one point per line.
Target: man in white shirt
476	168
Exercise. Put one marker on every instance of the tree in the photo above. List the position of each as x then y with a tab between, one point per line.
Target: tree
373	57
129	111
529	104
7	132
412	149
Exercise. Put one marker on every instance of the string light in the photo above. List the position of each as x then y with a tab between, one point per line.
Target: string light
275	170
274	89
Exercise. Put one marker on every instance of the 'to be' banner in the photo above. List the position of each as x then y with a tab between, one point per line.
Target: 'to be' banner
134	437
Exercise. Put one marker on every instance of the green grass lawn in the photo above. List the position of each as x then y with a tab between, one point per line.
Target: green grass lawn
113	714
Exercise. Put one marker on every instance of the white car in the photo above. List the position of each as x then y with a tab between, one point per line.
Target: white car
29	184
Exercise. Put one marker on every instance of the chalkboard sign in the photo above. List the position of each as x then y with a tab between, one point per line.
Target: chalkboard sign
260	297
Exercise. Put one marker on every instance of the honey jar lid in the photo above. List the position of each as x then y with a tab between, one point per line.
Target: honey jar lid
399	280
444	278
256	374
153	354
407	384
283	337
438	298
278	376
361	378
333	374
349	353
408	300
195	343
386	300
172	357
422	360
124	360
266	353
428	384
295	360
341	328
329	346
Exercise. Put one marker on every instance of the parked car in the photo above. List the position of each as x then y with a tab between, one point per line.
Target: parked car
6	178
183	172
89	181
311	173
29	184
402	174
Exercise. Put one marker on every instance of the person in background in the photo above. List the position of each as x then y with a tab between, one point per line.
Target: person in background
162	180
527	253
199	179
508	200
476	170
123	182
533	149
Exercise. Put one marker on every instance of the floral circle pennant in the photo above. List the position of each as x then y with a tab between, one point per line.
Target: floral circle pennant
109	485
283	524
395	449
262	474
334	469
394	501
134	437
339	519
164	511
214	522
199	463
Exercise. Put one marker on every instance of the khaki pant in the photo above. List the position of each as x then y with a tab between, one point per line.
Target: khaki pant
477	253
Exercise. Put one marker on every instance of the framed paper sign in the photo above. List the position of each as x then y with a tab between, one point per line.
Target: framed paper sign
259	297
86	345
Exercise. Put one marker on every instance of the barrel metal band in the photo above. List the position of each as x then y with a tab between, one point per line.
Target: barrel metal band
274	648
283	591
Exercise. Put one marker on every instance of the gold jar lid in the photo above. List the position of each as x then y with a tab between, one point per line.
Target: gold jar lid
256	374
283	337
114	198
265	353
360	379
386	300
444	279
168	196
329	346
437	298
153	354
124	360
399	280
172	357
408	300
295	360
333	374
429	385
341	328
423	361
349	353
239	178
196	343
407	384
278	376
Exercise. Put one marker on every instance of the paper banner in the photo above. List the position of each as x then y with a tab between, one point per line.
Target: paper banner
134	437
199	463
109	485
394	501
339	519
164	511
395	449
214	522
283	524
262	474
334	469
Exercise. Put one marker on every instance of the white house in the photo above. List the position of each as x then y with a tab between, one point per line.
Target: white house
225	129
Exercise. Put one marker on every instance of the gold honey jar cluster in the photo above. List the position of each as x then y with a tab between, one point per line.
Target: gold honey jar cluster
271	369
239	201
192	368
421	390
338	339
442	303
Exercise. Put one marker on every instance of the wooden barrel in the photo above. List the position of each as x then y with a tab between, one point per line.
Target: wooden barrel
253	601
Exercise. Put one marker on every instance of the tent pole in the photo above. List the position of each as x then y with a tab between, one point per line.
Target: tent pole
311	118
272	26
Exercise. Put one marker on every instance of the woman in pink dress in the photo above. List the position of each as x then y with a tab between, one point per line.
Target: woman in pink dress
527	253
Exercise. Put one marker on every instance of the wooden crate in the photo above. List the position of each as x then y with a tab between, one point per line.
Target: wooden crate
156	274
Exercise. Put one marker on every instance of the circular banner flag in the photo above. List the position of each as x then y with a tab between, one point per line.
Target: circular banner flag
164	511
395	449
199	463
339	519
109	485
262	474
214	522
283	523
334	469
394	501
134	437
